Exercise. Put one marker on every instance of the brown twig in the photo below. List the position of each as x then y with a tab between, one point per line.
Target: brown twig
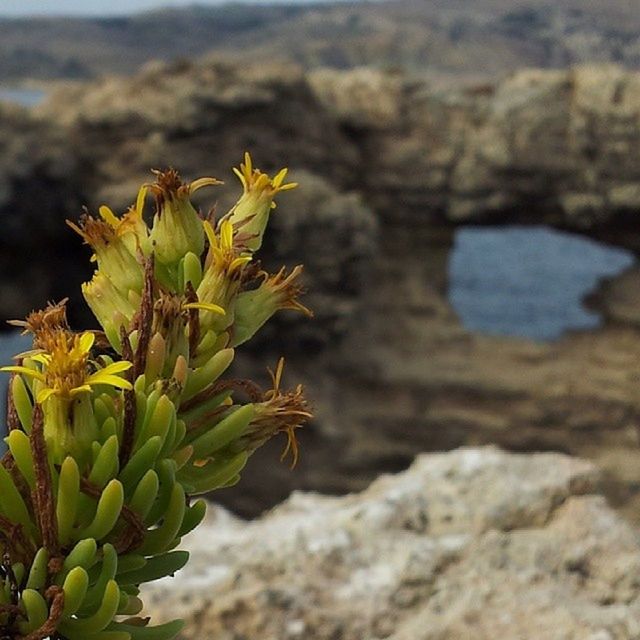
9	463
13	421
194	320
145	319
129	422
15	536
43	492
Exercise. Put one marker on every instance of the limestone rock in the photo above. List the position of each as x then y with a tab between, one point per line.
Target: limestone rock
389	166
475	543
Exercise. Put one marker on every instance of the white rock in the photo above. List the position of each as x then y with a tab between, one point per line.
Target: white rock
476	543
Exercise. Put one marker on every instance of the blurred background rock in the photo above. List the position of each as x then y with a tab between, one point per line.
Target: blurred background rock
470	180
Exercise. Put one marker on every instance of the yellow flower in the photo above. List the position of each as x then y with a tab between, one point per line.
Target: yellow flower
63	378
114	257
65	368
131	227
223	253
250	214
224	271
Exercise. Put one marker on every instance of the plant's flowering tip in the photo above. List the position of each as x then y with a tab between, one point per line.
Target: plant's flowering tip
116	258
43	323
227	254
279	412
225	271
251	213
110	305
254	307
66	367
63	378
131	227
170	320
177	227
105	455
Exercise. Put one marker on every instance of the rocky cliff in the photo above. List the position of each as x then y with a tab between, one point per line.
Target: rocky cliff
389	167
438	38
471	544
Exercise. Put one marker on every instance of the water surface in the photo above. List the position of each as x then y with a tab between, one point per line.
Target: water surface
10	344
23	97
528	281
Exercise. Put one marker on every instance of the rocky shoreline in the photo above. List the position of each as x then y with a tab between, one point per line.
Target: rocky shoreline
389	168
475	543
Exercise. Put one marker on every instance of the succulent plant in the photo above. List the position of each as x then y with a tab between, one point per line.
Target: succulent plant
111	433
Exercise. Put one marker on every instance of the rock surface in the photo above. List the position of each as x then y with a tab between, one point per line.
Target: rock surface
555	146
473	544
389	166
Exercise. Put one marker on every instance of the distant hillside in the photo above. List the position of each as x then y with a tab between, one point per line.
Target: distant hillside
440	37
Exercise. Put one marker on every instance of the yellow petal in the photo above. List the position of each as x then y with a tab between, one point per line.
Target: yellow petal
113	381
205	306
211	234
86	341
279	177
81	389
116	367
27	354
226	235
142	194
202	182
108	216
45	394
241	176
24	370
236	263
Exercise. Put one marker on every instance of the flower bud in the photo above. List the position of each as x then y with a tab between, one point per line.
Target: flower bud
110	306
113	251
177	227
250	215
253	308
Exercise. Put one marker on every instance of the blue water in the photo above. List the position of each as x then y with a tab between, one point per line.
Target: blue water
10	344
527	281
24	97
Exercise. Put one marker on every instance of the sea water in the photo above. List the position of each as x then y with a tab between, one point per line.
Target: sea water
24	97
528	281
10	344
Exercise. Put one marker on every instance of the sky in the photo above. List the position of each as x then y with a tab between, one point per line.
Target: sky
19	8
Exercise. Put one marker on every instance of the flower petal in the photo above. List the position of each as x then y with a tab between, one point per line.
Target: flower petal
116	367
82	388
24	370
205	306
114	381
45	394
86	341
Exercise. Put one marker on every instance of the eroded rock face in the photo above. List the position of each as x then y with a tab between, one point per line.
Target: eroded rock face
388	167
542	145
475	543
